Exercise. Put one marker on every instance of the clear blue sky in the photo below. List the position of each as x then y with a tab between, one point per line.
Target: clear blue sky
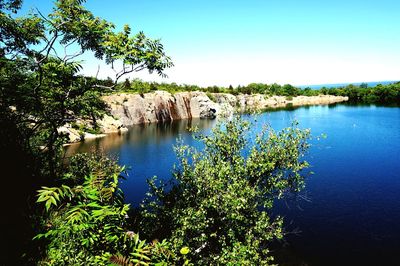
285	41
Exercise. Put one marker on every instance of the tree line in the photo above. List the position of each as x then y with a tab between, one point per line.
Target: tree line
381	93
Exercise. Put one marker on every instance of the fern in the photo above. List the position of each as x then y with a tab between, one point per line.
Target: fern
90	221
120	260
76	215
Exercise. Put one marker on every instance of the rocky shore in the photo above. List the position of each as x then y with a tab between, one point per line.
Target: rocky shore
160	106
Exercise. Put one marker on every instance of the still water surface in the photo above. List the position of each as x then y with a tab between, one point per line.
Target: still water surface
351	214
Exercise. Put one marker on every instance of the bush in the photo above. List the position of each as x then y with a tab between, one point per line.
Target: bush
219	202
211	97
87	220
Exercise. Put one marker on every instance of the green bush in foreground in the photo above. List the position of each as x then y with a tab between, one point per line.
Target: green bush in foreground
86	220
219	203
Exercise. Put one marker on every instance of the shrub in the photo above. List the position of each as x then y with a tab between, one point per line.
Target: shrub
212	97
87	220
219	202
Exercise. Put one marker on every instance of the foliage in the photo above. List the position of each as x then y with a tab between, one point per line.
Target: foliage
217	210
87	220
219	202
139	86
389	93
383	94
40	74
41	89
211	97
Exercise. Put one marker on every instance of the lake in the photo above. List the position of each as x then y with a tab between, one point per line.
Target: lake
349	213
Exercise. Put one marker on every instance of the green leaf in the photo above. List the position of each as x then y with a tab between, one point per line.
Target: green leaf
184	250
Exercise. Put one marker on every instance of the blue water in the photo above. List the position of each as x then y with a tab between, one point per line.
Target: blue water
337	85
349	213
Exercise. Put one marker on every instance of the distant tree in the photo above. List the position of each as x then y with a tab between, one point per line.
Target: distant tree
127	84
307	91
276	89
108	82
324	90
290	90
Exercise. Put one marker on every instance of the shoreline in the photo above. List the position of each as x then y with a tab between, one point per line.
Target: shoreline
127	109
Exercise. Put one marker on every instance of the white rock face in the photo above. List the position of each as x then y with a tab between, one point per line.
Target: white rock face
221	98
321	99
160	106
201	106
109	124
73	134
259	101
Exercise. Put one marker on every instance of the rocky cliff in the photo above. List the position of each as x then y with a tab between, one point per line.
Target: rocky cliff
160	106
259	101
107	124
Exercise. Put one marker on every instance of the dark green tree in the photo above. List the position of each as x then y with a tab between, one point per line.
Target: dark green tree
127	84
43	84
41	88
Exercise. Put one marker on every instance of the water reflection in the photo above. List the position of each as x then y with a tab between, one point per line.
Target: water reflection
146	150
140	135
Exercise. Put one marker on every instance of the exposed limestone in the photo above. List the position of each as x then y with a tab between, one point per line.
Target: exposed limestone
160	106
109	124
259	101
201	106
321	99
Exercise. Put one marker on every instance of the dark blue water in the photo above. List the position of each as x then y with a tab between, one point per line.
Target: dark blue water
349	213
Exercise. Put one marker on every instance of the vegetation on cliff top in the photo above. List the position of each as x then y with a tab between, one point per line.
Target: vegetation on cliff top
389	93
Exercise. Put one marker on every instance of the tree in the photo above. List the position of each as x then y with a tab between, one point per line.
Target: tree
220	200
41	88
127	84
43	84
290	90
276	89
